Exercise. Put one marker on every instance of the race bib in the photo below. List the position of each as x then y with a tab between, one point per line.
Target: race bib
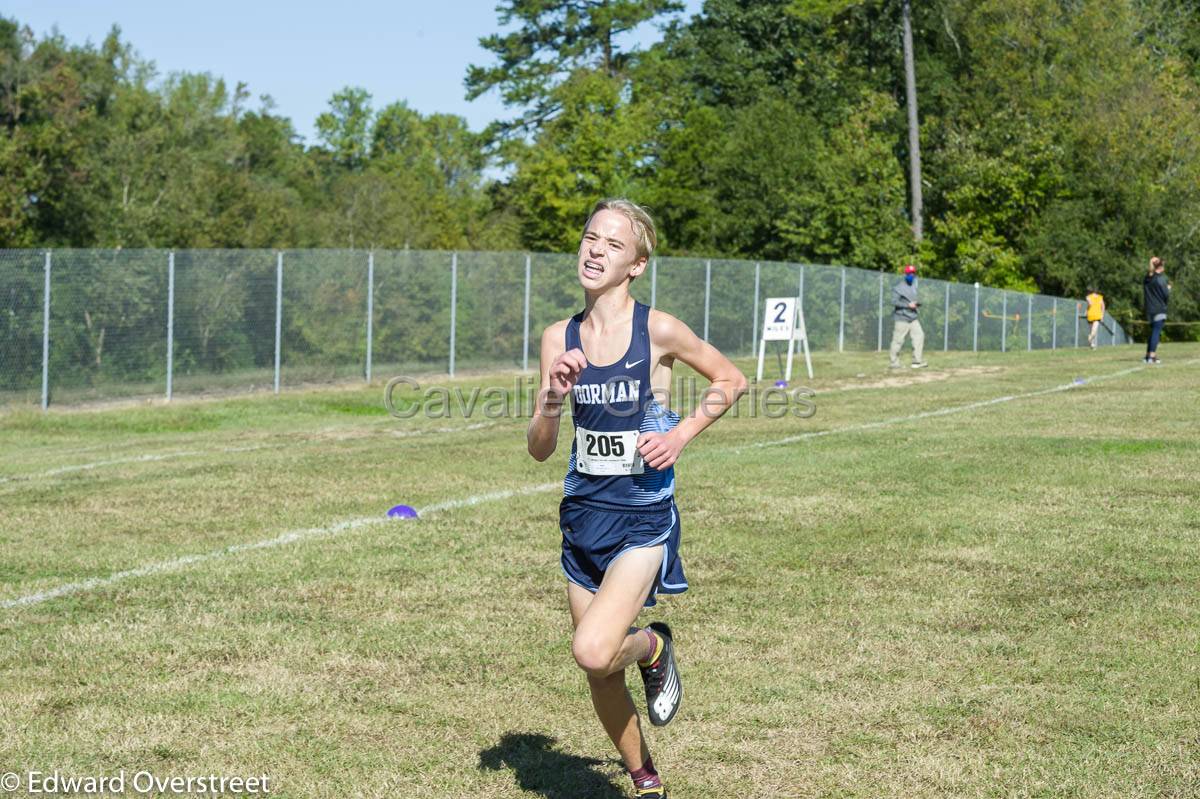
607	453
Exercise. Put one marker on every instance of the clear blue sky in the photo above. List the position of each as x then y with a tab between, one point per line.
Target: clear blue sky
301	52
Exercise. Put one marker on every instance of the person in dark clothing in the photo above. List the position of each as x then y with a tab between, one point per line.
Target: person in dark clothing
1156	291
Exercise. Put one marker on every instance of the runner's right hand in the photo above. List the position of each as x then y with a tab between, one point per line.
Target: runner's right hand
565	370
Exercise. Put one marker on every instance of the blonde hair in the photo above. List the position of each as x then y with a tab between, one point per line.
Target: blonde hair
639	218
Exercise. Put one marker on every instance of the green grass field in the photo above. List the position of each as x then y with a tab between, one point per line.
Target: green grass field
997	598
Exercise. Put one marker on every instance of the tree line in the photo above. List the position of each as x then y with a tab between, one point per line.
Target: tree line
1060	140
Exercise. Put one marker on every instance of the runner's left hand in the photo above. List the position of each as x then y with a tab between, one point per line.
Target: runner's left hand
660	450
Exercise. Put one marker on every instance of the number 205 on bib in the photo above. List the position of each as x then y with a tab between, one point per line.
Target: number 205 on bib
610	453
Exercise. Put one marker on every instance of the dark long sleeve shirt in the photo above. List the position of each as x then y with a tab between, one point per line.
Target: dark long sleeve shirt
1156	293
902	295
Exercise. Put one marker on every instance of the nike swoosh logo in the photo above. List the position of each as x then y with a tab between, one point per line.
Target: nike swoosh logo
629	365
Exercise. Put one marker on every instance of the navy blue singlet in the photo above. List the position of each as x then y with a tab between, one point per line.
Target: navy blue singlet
606	402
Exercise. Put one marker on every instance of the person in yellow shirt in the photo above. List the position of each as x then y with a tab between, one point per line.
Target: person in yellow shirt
1095	314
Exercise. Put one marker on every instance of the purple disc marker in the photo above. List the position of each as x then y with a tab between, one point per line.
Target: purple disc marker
402	512
780	384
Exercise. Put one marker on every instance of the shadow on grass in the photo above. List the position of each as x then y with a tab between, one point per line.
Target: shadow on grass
540	768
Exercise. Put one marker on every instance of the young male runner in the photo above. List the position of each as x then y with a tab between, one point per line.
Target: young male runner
619	523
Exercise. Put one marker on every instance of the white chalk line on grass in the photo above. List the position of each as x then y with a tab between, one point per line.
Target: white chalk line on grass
395	433
290	537
165	456
930	414
482	425
478	499
427	431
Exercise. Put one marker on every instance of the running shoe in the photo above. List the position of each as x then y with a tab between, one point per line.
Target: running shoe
664	691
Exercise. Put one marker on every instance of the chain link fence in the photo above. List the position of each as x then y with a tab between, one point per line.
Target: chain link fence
82	325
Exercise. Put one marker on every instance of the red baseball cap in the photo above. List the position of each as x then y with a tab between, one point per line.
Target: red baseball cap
910	270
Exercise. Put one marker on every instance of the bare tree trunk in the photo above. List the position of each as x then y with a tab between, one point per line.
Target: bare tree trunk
914	134
97	341
206	330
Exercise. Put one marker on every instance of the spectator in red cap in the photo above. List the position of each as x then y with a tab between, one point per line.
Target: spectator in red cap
904	313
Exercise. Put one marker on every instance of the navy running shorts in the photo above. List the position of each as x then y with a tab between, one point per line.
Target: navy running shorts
597	533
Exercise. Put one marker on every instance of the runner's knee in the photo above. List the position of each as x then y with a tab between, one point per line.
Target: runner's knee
593	654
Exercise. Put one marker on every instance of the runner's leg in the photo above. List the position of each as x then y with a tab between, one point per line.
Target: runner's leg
605	643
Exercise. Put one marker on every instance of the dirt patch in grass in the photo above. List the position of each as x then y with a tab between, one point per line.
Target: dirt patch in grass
908	377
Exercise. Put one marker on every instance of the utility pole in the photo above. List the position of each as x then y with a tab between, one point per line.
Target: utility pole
914	138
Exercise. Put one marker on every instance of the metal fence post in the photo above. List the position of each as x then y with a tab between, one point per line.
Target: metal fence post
842	314
453	306
170	321
1076	318
975	334
525	356
1054	326
278	312
946	322
1029	323
879	343
1113	327
46	337
370	311
653	281
707	292
754	334
1004	321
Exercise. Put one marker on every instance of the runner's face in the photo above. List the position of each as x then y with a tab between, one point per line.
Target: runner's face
608	252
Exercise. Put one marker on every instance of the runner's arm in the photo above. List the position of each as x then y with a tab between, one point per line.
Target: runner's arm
560	369
676	340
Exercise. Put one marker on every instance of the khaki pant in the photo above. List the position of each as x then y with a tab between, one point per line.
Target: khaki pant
900	332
